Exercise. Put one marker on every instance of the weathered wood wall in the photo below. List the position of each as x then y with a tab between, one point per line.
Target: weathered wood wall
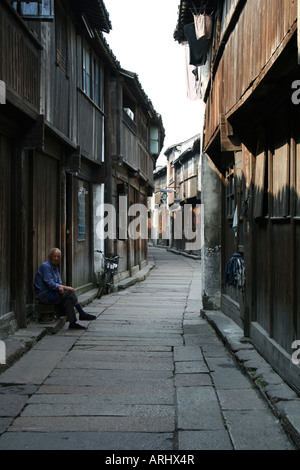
19	60
261	29
5	225
276	249
45	204
82	273
251	88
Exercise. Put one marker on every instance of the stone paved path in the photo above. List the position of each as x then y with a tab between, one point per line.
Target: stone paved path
148	374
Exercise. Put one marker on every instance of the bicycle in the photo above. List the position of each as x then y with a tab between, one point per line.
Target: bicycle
110	267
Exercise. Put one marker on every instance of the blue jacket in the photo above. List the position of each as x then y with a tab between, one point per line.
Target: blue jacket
47	279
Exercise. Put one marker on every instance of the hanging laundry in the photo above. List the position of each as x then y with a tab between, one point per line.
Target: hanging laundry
235	222
198	48
193	78
235	272
203	25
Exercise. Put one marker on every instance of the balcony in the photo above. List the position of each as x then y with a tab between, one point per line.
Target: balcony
19	61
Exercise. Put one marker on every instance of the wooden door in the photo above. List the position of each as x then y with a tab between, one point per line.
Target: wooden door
46	207
5	225
81	259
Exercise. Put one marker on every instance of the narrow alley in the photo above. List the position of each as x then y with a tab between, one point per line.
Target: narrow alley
149	374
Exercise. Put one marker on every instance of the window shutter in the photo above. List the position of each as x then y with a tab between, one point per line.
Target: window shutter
35	10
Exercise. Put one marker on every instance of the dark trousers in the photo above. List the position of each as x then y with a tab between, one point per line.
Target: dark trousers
65	301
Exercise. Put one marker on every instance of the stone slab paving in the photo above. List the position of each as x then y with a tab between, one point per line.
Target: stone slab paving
148	374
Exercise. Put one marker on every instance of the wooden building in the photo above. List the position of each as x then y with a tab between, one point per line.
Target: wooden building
250	169
177	187
57	143
159	217
136	138
54	66
184	182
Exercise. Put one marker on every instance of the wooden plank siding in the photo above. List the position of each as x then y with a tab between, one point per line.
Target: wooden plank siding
90	128
51	135
19	60
135	153
130	145
63	132
256	37
249	96
82	273
6	224
45	202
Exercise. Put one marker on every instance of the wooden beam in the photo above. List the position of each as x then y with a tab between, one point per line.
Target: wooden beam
34	137
229	142
73	162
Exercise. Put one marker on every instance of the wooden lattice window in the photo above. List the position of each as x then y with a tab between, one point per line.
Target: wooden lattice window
92	76
82	193
36	10
230	192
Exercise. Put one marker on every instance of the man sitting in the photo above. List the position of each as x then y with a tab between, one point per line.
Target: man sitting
49	290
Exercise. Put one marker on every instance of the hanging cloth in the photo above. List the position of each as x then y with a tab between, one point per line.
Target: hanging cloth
193	78
198	48
235	272
203	26
235	222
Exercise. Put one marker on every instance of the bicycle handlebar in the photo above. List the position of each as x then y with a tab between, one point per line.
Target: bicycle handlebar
108	257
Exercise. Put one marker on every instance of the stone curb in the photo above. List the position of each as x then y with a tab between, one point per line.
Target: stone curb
282	399
138	277
183	253
21	342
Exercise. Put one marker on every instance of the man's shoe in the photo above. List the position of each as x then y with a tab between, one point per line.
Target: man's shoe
87	317
76	326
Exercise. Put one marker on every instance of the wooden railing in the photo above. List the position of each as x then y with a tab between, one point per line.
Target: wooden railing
135	153
19	59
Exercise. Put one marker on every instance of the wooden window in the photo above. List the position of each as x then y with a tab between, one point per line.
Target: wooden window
86	71
61	38
92	77
230	192
129	111
239	191
96	82
36	10
81	214
234	203
122	219
154	140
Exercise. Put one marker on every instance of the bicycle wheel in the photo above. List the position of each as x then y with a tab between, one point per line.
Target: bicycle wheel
99	292
100	287
106	283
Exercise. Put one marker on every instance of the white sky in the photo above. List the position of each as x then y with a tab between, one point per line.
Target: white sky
142	41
